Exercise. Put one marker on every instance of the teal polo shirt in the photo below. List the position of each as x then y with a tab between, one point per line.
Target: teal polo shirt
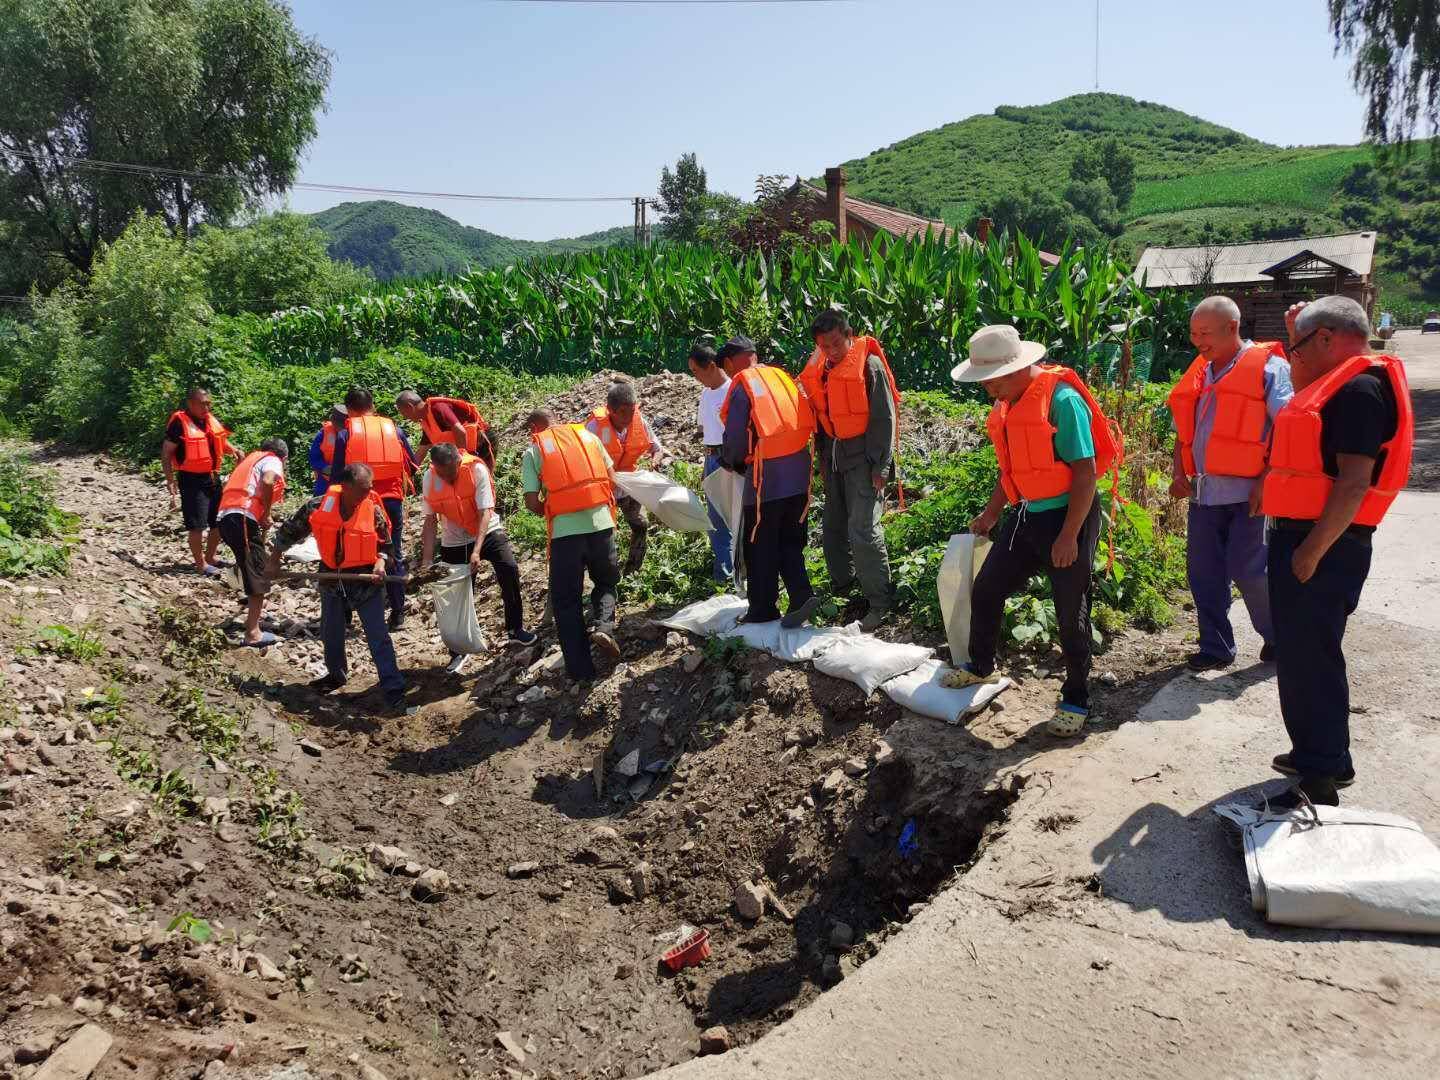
1071	417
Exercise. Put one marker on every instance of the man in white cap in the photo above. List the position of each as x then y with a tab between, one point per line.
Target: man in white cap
1052	442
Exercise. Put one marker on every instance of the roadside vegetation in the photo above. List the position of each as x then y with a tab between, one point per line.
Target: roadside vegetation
33	530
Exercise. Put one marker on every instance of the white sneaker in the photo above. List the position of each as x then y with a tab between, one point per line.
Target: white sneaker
457	663
211	570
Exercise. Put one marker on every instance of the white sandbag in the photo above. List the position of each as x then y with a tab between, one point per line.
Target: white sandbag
920	692
713	616
963	557
725	491
1340	868
455	613
867	661
807	642
764	636
673	504
305	551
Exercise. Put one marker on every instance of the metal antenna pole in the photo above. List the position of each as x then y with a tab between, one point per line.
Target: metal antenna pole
1097	44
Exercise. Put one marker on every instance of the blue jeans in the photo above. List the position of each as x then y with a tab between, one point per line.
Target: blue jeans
1226	544
720	540
395	590
367	601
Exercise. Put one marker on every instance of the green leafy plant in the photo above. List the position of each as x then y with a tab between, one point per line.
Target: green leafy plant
192	926
33	530
72	644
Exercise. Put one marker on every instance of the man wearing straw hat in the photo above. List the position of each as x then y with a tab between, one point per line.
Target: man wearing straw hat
1052	442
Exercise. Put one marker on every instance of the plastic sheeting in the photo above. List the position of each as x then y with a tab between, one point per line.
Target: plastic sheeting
675	505
455	613
961	564
920	691
1340	868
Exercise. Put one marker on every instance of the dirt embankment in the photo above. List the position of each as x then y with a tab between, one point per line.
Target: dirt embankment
155	773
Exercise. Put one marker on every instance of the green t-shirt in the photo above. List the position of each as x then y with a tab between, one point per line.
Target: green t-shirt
573	524
1071	417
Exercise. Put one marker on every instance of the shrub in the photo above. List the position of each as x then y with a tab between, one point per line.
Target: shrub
278	261
32	528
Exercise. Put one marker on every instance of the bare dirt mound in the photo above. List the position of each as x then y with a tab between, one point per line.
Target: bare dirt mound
481	889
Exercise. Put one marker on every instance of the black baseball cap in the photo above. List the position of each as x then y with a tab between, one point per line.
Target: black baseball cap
736	346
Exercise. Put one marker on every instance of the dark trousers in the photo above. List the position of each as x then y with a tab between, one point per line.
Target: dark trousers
570	558
776	553
1225	544
495	550
367	601
634	515
247	543
395	590
1021	550
1309	658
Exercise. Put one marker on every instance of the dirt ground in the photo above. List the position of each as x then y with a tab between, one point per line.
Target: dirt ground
164	773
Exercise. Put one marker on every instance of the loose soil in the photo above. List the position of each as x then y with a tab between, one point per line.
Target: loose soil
566	877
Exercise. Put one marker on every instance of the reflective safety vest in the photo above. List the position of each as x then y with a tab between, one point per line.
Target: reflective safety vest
470	420
346	543
1237	444
373	441
1024	438
328	431
781	417
841	394
626	453
196	441
1297	485
456	502
572	471
242	490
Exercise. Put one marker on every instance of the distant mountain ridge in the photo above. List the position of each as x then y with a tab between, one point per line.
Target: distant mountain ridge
394	240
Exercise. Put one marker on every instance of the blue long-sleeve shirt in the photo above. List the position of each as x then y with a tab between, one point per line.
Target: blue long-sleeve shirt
783	476
318	465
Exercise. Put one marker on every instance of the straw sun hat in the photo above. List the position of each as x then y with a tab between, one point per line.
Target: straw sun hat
995	351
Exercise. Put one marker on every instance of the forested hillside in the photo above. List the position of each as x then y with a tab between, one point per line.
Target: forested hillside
394	240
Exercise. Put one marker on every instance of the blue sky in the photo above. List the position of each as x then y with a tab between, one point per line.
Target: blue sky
593	98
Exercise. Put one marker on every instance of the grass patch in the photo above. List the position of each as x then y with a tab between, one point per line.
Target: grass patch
34	532
1303	181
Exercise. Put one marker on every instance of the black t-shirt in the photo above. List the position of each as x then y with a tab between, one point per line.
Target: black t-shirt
1359	419
175	432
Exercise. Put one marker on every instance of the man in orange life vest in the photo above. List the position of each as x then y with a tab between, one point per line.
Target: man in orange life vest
254	490
322	447
377	441
448	420
768	422
351	531
459	497
626	437
1053	442
196	445
856	401
1223	407
1339	455
569	480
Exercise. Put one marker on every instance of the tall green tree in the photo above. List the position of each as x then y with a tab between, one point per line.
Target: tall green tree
1396	46
683	199
225	91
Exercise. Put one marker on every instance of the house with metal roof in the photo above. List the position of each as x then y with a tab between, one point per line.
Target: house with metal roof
1265	278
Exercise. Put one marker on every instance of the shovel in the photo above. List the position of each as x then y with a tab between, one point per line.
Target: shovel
412	581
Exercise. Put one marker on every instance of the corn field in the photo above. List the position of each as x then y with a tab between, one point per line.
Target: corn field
638	310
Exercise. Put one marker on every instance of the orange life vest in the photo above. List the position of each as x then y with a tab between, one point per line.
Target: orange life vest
841	394
1297	485
637	443
374	442
1024	438
456	501
1237	444
242	490
470	420
346	544
196	441
781	417
328	431
572	471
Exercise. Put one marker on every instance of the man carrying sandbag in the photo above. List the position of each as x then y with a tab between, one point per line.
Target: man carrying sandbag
626	437
568	479
857	405
1052	442
460	505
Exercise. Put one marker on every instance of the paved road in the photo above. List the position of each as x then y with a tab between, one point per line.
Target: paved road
1124	944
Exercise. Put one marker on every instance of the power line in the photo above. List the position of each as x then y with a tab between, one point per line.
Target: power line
132	169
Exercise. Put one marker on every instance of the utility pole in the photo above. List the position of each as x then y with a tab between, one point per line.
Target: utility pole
639	228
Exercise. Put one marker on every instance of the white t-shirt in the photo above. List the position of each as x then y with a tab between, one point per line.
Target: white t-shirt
710	402
269	467
451	534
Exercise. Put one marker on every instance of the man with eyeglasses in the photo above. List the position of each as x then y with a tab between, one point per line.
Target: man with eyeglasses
1339	454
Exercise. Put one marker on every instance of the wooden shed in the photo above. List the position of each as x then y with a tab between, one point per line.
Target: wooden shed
1265	278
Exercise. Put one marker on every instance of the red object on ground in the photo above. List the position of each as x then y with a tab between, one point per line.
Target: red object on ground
689	952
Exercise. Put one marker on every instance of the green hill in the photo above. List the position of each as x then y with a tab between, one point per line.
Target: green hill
395	240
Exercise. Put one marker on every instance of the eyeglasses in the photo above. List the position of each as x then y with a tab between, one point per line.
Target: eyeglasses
1297	346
